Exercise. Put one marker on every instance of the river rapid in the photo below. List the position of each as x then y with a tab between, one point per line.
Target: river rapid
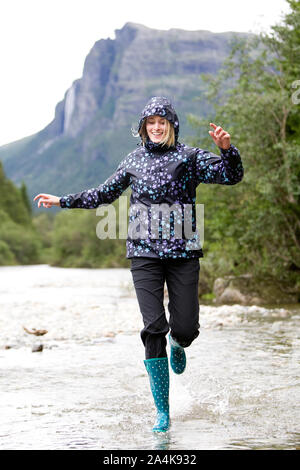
88	387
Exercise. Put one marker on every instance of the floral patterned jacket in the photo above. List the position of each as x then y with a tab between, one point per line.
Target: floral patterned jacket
163	181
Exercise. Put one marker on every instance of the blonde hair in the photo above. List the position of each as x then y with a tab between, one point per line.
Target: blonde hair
168	140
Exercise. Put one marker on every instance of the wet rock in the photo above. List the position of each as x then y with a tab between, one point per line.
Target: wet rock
35	332
232	296
256	301
109	334
220	285
37	348
247	290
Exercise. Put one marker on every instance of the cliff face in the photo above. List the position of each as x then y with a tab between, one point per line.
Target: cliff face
119	74
91	129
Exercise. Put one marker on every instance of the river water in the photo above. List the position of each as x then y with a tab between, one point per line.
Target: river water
88	387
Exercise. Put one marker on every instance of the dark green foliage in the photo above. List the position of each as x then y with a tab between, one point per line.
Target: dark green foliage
25	198
76	244
19	244
254	226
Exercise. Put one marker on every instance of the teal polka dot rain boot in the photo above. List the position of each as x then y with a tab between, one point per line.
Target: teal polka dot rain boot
158	371
177	357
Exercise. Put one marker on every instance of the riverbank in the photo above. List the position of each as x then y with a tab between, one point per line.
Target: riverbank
88	387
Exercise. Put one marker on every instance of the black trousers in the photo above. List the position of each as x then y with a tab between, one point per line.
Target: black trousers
181	276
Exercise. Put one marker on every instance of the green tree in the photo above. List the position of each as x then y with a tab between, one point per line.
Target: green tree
19	242
255	226
25	198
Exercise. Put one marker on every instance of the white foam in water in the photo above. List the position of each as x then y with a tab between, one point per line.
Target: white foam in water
181	400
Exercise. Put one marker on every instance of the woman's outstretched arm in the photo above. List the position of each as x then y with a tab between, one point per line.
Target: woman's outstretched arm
107	192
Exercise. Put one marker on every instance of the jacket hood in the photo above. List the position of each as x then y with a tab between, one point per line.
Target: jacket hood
161	106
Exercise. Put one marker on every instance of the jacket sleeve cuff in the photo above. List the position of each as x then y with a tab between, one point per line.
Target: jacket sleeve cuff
65	202
230	152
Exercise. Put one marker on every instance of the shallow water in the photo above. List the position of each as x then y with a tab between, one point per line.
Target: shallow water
88	388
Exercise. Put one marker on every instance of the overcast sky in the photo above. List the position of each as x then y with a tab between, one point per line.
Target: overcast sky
43	44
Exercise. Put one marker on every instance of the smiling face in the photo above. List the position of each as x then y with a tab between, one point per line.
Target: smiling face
156	127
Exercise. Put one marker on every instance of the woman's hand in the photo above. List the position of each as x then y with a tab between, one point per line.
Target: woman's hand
220	137
48	200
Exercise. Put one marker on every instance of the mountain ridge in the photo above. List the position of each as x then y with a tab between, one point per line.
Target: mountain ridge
90	132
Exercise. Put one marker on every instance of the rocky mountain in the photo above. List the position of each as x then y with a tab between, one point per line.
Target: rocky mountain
91	130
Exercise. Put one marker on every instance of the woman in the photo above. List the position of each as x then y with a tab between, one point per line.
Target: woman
163	172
